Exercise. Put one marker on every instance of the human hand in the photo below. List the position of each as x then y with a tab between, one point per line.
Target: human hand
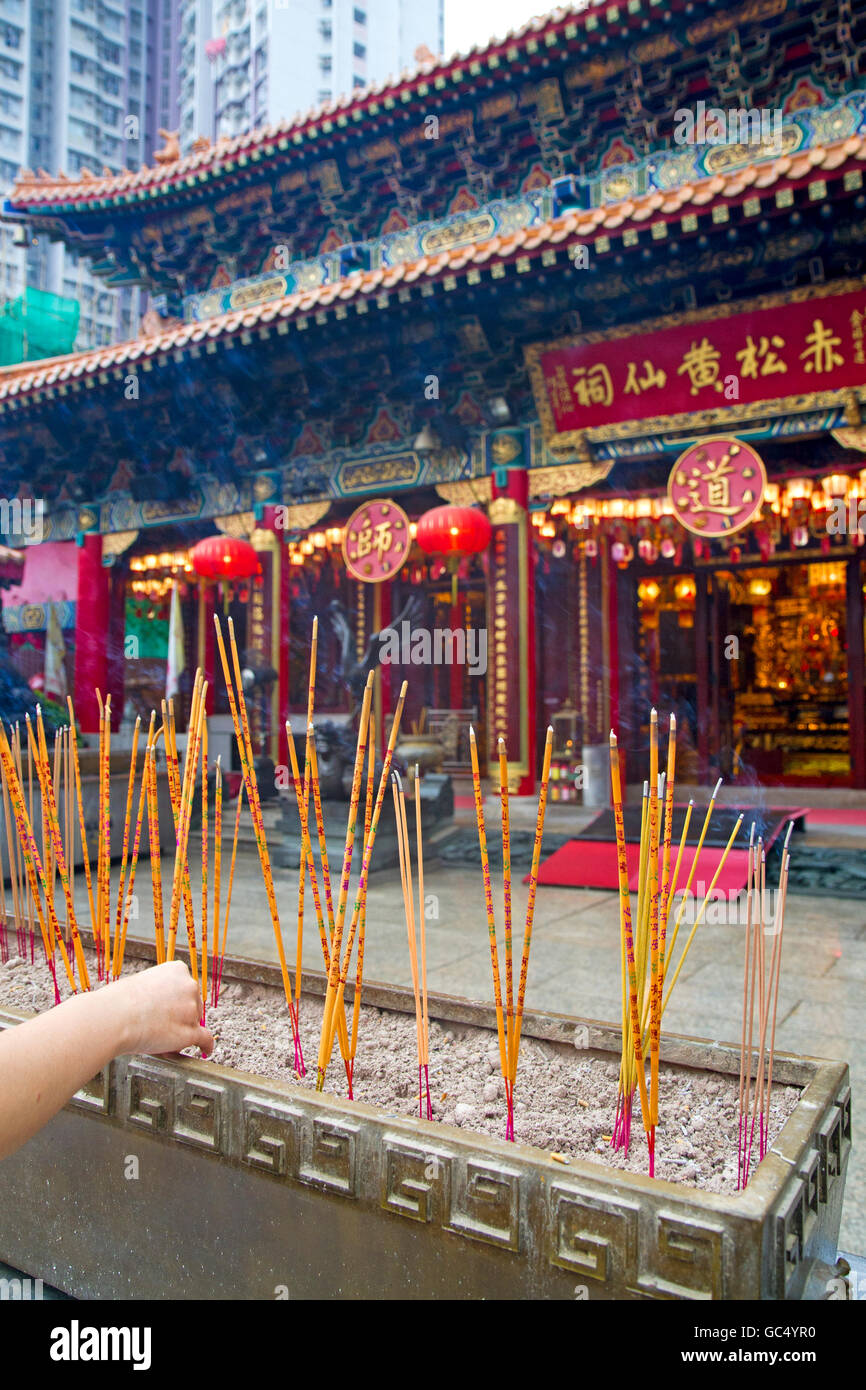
162	1009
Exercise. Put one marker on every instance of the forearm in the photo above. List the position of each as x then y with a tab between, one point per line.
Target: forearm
44	1061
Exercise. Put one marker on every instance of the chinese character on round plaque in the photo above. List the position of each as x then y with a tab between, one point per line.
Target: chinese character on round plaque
377	541
717	486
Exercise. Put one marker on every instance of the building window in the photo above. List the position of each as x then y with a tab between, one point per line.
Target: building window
359	16
358	81
359	50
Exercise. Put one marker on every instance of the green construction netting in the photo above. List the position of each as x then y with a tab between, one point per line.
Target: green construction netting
37	325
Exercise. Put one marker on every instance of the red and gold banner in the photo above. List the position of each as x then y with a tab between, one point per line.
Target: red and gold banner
702	368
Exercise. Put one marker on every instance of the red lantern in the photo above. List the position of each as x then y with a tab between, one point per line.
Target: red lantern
453	532
224	557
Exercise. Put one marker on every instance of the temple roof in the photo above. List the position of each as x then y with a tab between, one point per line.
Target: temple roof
617	227
44	192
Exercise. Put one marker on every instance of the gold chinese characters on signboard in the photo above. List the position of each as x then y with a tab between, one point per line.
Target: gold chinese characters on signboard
377	541
716	487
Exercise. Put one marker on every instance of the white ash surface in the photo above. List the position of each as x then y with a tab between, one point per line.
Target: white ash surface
565	1101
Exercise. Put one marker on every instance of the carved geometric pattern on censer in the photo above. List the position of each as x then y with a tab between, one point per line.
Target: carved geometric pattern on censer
664	1244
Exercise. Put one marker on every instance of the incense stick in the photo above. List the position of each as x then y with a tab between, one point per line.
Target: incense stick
405	858
362	925
85	854
627	931
334	971
514	1042
361	895
218	981
237	705
155	849
491	928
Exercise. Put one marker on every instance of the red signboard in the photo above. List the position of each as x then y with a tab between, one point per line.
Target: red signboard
717	486
377	541
661	374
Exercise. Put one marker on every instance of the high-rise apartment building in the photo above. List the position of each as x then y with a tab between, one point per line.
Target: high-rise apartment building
247	63
84	84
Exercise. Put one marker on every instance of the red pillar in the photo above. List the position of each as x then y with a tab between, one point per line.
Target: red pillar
856	670
92	616
116	655
511	630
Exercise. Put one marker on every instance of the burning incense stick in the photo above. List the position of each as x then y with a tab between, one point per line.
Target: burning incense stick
326	1042
204	835
154	847
362	925
237	705
183	823
311	701
425	1014
217	867
779	927
12	849
405	858
136	844
361	895
506	900
85	854
121	889
49	803
514	1041
218	978
748	944
174	789
628	938
308	862
491	928
52	937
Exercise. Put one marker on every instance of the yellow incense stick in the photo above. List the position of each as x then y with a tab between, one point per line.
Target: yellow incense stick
237	705
326	1037
361	895
625	914
488	907
514	1047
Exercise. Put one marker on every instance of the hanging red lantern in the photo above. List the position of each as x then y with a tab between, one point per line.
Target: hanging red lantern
224	557
453	532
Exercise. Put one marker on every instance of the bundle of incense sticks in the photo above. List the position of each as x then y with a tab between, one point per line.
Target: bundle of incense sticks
338	971
417	958
33	872
646	947
761	984
237	705
510	1029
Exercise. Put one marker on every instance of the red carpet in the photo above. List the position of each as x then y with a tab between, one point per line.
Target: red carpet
820	815
592	864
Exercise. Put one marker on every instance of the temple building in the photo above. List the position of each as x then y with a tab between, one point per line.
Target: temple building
602	280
